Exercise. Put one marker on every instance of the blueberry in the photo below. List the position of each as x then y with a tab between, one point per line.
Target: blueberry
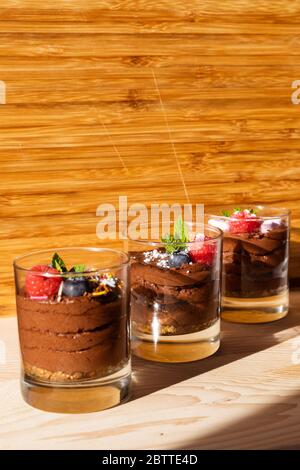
74	286
177	259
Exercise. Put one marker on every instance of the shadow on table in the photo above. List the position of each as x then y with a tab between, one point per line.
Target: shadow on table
275	426
237	341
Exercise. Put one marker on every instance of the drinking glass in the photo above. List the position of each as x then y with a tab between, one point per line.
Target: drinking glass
73	321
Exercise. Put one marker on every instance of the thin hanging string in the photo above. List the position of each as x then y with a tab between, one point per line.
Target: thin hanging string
115	148
112	142
170	138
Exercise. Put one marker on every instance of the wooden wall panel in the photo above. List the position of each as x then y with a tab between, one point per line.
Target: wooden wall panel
79	79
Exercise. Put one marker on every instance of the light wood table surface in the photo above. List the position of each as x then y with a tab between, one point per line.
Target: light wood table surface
247	396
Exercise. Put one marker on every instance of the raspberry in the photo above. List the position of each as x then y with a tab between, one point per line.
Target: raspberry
41	286
203	252
244	222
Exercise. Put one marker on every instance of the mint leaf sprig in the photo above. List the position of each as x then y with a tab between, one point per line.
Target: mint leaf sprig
79	268
58	263
253	211
227	213
178	240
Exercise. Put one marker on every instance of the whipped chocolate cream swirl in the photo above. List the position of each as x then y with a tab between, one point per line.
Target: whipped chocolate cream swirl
76	338
256	264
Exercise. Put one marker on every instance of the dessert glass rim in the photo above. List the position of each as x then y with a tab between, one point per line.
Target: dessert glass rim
72	248
281	211
218	235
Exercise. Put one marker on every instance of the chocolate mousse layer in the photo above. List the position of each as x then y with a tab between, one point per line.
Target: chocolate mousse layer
255	264
172	300
76	338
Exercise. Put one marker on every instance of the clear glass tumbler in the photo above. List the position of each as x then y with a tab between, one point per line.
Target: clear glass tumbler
255	262
175	295
73	320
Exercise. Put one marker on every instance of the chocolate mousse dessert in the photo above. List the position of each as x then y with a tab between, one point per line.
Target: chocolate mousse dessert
175	290
255	255
180	292
72	324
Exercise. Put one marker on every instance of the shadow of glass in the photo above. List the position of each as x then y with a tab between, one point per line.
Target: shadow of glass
275	427
238	341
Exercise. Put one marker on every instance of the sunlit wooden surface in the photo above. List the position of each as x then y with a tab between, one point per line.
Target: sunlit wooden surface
79	79
247	396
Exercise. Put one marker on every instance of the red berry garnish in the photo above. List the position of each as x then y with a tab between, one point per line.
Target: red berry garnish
245	221
41	286
201	252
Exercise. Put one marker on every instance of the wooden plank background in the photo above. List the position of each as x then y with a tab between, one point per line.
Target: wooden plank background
83	122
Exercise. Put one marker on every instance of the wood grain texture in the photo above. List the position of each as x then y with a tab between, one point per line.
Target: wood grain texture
74	70
245	397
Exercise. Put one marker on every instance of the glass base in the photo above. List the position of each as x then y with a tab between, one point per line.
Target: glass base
255	310
80	397
177	348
